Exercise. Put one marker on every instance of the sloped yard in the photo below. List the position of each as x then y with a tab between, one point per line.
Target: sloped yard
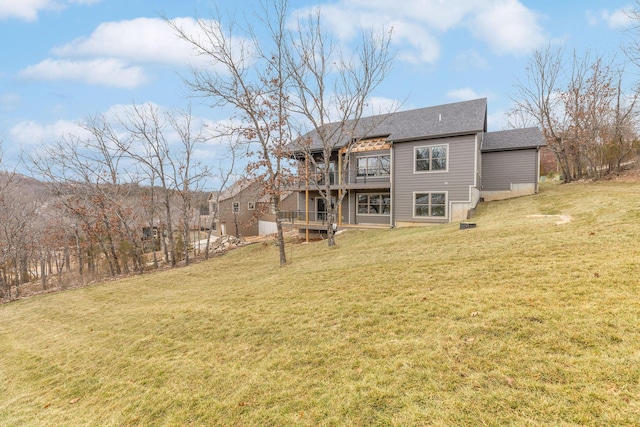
519	321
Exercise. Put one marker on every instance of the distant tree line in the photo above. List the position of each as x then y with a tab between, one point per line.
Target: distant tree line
587	112
585	105
109	199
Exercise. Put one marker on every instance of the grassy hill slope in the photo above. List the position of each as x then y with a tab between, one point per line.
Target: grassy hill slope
519	321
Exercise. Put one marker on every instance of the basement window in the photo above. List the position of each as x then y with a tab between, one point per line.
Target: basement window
374	204
432	205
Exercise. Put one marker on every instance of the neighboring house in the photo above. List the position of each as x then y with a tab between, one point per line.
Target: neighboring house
244	210
236	210
267	215
430	165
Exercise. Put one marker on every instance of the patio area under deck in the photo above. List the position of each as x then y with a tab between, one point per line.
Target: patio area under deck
316	229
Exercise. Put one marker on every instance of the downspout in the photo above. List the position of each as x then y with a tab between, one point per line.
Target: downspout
340	188
306	198
393	196
537	168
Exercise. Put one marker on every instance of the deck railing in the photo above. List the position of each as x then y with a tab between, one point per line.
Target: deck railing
299	217
352	176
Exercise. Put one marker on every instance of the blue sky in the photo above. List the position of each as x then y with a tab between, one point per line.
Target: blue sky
63	60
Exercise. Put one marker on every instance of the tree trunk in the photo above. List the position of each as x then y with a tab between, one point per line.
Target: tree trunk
172	244
331	240
185	238
43	272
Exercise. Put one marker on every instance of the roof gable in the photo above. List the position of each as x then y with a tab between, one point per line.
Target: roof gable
236	188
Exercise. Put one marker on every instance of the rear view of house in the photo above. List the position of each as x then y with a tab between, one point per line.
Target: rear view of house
424	166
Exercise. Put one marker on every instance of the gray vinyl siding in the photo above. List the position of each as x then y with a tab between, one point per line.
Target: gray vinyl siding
500	169
372	219
455	182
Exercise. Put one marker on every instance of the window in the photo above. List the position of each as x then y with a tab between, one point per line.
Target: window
251	206
236	207
374	204
432	158
374	166
430	205
321	174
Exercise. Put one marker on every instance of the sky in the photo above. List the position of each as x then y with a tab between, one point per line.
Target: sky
62	61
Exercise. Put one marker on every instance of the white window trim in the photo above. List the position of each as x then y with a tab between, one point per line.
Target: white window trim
235	207
251	206
415	149
446	205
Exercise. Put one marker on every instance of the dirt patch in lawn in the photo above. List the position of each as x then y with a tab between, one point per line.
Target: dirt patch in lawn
562	219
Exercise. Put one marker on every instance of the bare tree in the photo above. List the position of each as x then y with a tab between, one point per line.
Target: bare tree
332	91
268	80
626	121
224	174
17	214
149	148
84	175
249	74
187	174
539	97
587	115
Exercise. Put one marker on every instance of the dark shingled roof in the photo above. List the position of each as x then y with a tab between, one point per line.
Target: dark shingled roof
450	119
513	139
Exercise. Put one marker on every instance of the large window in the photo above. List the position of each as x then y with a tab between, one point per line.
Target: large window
374	204
430	205
374	166
432	158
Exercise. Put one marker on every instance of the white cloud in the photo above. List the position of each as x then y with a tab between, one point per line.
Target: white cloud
437	15
615	20
108	53
416	45
463	94
27	10
32	133
506	26
138	40
107	72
